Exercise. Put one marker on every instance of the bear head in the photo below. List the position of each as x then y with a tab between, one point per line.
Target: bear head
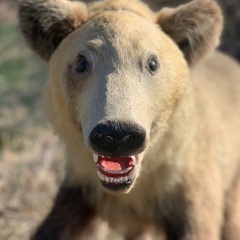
117	70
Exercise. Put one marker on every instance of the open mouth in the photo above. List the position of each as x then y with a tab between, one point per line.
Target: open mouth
116	174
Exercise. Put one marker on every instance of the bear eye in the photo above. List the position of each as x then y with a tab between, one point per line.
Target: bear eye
82	64
153	64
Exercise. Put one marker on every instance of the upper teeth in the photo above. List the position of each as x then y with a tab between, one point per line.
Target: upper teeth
95	158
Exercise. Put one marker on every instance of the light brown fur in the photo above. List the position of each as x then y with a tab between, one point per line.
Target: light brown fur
187	183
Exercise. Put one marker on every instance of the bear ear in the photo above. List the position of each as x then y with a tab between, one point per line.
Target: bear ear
195	27
44	23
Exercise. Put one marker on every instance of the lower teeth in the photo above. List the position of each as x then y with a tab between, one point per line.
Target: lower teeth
114	180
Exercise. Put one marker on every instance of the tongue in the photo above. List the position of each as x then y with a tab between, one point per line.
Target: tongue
115	164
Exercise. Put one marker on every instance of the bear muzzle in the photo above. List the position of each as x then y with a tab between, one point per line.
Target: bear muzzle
117	145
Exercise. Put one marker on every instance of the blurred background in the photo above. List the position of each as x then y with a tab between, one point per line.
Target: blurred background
31	155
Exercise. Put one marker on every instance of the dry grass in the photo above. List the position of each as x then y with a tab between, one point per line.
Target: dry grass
29	176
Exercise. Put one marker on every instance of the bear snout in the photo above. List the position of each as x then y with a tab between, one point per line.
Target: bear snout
117	139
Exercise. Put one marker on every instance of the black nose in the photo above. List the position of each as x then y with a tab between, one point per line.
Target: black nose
117	139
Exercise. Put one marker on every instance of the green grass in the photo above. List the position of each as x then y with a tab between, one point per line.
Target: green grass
20	70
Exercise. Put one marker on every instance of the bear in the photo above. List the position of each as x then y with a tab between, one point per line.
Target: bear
149	113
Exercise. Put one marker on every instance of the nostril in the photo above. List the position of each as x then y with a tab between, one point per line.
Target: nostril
112	138
127	138
109	139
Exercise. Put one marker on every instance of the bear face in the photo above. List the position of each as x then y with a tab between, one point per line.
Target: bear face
116	72
112	82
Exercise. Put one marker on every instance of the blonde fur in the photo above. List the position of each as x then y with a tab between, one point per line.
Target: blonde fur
187	181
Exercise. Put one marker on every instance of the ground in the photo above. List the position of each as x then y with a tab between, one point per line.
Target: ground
31	155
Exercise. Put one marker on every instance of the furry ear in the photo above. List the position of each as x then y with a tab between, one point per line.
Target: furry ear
45	23
195	27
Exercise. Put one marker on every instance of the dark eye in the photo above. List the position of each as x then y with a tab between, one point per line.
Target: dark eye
82	64
153	64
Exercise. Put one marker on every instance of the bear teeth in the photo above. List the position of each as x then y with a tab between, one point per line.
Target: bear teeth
116	180
112	179
95	158
120	166
112	172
